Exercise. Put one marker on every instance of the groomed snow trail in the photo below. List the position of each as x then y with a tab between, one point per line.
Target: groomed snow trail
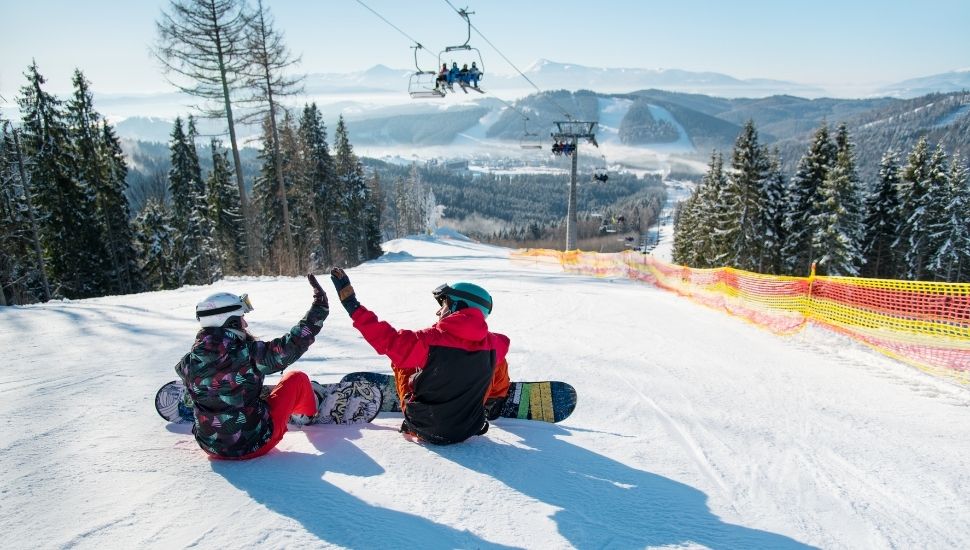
693	429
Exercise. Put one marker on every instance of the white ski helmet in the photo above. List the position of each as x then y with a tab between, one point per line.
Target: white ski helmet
215	310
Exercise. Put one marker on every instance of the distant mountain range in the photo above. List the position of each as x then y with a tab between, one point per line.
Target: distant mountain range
551	75
648	119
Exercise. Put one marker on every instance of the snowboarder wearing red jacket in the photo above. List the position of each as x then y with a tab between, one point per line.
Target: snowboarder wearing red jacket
224	371
451	377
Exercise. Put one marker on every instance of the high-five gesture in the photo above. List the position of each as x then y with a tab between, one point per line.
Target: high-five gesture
345	291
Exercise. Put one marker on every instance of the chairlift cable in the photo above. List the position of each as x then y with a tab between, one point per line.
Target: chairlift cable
395	27
464	16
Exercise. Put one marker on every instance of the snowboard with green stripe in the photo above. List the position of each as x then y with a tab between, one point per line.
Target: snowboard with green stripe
549	401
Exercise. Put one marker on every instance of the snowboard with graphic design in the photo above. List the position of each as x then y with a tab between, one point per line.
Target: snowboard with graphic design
548	401
340	403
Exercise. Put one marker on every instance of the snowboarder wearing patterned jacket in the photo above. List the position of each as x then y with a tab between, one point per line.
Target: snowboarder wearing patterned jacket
224	372
451	377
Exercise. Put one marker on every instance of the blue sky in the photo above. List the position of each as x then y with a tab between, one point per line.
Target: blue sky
814	42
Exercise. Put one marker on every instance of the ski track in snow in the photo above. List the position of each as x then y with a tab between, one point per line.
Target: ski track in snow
693	429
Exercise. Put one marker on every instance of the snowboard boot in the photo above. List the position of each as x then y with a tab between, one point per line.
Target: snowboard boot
304	419
493	407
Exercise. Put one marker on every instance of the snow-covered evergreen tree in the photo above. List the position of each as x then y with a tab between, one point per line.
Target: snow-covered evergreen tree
709	243
320	179
268	207
197	256
772	215
685	230
411	204
352	198
374	219
803	203
155	238
836	243
923	181
301	201
224	209
951	260
936	219
66	210
101	166
17	258
742	219
882	222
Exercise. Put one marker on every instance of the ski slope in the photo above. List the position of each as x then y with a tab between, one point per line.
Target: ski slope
693	429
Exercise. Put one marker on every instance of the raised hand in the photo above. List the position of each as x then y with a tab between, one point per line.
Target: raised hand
345	291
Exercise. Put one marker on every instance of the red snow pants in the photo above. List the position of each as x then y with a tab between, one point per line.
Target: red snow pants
293	394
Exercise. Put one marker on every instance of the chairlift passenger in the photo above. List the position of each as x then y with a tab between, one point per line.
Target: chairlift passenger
474	75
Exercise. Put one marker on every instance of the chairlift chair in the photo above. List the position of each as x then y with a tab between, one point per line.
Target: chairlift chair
530	140
601	173
464	54
423	84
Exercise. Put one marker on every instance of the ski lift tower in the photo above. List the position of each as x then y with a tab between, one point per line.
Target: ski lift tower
570	132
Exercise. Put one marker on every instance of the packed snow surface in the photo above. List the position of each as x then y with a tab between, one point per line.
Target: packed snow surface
693	428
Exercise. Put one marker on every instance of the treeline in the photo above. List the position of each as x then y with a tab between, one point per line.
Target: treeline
912	223
66	229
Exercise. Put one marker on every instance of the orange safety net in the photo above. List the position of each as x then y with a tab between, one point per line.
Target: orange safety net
925	324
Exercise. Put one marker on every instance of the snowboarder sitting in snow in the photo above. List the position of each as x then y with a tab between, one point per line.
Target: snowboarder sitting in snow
451	377
224	371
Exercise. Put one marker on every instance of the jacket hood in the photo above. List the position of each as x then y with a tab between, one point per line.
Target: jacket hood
467	324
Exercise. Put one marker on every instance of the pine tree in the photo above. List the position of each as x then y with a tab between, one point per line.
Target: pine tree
16	260
101	166
301	206
66	210
913	240
197	257
685	230
353	195
743	229
772	215
951	261
373	219
228	229
937	221
155	238
411	204
710	245
321	181
803	205
268	205
882	221
838	233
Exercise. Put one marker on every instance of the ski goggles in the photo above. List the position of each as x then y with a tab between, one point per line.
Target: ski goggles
446	292
440	293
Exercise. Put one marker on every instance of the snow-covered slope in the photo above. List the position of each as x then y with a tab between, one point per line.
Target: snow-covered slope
693	429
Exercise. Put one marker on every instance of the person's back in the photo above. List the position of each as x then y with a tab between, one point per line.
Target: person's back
445	374
445	401
231	419
224	373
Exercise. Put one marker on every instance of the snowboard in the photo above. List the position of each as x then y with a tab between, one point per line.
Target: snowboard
548	401
340	403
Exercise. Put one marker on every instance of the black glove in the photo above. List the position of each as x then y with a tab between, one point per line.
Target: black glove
319	299
346	292
319	296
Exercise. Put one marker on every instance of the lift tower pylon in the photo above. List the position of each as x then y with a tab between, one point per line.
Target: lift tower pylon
571	131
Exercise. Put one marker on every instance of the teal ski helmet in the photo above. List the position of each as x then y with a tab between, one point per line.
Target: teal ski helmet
467	293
